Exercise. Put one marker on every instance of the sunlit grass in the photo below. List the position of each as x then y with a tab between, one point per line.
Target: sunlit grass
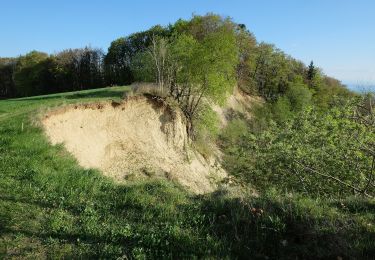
52	208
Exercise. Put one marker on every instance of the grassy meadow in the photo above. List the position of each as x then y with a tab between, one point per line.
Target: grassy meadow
52	208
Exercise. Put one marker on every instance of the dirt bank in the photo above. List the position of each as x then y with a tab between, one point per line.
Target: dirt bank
139	137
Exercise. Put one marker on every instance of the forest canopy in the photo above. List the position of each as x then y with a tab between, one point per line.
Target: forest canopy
206	48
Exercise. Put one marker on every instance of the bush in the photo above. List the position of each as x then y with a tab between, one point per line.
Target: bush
315	153
206	131
282	110
290	226
299	96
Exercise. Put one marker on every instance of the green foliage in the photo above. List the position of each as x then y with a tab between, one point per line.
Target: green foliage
192	66
142	68
299	96
320	154
210	53
295	99
329	91
207	129
234	131
117	63
7	67
28	71
215	63
311	71
282	110
247	51
182	53
206	65
271	71
38	73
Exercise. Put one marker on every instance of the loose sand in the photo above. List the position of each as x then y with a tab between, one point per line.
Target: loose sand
139	137
238	102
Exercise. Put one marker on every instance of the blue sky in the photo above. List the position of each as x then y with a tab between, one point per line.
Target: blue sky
339	35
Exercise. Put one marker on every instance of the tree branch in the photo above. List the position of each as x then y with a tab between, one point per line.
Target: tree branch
333	178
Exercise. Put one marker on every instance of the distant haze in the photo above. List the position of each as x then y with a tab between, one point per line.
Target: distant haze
361	88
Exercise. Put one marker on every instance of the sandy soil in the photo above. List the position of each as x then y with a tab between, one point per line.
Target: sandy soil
238	102
139	137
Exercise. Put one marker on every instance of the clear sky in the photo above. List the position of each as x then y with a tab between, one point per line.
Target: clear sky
339	35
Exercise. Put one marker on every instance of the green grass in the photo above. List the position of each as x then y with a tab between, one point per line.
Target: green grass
52	208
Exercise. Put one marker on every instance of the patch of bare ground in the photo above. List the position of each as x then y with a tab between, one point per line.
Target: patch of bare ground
139	137
238	102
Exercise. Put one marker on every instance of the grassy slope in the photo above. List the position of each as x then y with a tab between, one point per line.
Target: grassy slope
50	207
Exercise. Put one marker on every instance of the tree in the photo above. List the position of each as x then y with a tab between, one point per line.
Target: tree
118	66
78	69
206	69
246	43
90	68
28	72
197	66
117	63
282	110
7	67
66	69
299	96
311	71
159	55
272	71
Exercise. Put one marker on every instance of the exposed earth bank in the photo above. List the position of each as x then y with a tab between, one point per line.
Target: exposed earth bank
139	137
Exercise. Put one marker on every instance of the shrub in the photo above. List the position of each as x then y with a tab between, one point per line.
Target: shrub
206	131
320	154
299	96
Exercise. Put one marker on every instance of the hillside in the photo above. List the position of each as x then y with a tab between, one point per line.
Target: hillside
222	147
51	207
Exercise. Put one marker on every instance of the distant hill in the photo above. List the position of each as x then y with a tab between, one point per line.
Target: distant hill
361	88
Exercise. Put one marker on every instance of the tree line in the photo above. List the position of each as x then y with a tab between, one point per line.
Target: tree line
205	57
38	73
209	49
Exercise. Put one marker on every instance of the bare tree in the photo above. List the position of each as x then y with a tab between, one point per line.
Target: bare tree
159	53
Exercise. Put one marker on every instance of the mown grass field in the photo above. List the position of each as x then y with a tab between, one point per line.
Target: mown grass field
52	208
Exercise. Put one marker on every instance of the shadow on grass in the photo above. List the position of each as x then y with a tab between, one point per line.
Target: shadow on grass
168	223
280	229
100	226
97	94
38	203
356	206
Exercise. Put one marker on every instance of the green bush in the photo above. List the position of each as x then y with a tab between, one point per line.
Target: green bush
320	154
299	96
206	131
282	110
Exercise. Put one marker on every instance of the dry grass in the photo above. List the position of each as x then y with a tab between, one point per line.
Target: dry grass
144	88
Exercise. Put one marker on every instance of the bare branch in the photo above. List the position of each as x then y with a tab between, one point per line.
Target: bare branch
333	178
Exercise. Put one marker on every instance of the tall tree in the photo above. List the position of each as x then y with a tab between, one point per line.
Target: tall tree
120	55
7	67
311	71
196	66
28	72
117	63
246	43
